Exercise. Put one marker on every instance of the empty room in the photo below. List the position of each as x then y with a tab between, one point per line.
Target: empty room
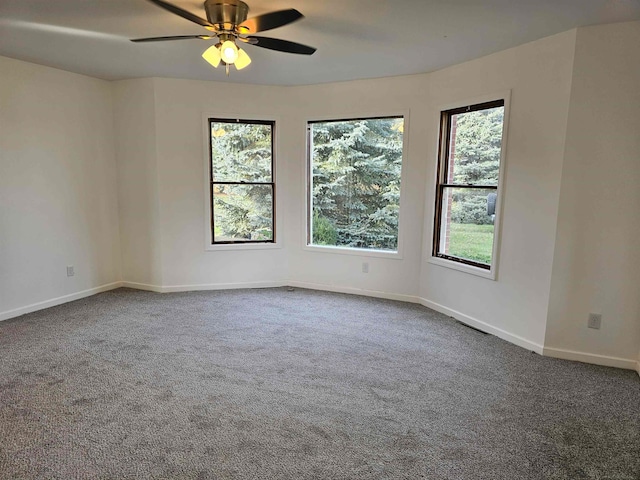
320	240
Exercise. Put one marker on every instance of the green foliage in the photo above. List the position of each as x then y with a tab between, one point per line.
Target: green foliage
356	181
241	152
478	142
470	207
473	242
324	233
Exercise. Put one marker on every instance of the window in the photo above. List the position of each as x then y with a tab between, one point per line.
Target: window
469	162
354	169
241	177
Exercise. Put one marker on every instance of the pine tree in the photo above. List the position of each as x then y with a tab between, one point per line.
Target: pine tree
356	181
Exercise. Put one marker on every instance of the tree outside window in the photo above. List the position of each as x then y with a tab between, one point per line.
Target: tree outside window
354	183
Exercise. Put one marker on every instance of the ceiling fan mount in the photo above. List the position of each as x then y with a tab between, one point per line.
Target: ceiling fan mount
227	21
223	13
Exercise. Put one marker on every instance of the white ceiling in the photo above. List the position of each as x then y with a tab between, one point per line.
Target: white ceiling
355	38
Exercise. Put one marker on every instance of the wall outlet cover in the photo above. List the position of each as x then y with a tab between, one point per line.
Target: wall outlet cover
595	321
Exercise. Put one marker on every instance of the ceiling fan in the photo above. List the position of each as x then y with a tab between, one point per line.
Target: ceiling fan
227	21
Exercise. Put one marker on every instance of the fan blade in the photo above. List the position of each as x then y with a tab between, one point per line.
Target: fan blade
184	14
281	45
179	37
249	40
269	21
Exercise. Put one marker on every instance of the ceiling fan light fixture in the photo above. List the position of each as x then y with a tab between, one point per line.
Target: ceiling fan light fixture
212	55
227	20
243	59
229	52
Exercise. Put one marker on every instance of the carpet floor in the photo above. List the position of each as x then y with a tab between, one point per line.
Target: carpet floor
279	384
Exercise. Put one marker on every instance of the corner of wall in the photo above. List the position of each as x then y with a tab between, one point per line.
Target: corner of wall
138	201
114	127
595	259
552	287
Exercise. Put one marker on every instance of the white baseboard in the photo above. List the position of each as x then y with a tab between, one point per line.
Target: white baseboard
355	291
58	301
485	327
143	286
603	360
193	288
638	367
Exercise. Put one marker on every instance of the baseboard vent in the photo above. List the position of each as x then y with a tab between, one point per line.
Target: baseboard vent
472	328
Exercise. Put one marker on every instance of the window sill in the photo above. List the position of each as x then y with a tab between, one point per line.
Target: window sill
470	269
360	252
242	246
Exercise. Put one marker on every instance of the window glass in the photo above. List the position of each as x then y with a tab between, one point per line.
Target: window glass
466	193
354	182
242	187
242	213
475	143
468	228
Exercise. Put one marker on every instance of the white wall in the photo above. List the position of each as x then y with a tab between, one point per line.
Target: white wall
597	258
539	77
58	201
134	110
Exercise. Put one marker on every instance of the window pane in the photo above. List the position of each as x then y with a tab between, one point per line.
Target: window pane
355	184
242	213
240	152
475	142
467	223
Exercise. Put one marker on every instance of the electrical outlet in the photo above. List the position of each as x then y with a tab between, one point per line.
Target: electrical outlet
595	320
365	267
70	271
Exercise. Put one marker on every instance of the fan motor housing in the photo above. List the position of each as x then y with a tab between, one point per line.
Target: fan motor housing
226	11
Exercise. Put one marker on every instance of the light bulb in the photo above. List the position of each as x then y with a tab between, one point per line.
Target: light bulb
229	52
243	59
212	55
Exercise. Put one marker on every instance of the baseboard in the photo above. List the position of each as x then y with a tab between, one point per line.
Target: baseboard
603	360
354	291
58	301
485	327
143	286
200	287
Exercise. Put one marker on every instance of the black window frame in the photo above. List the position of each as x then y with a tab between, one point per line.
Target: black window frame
309	208
443	173
213	183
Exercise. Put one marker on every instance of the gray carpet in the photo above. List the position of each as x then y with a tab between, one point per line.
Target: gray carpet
277	384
